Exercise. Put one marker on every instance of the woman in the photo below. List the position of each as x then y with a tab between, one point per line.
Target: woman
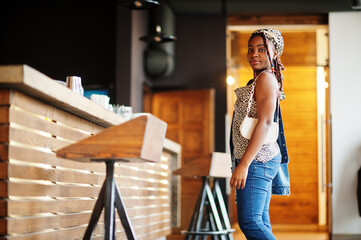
255	164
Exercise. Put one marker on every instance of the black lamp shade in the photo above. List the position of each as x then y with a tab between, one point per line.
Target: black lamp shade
139	4
158	38
356	4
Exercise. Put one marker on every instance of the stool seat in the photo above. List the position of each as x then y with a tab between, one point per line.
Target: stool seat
205	232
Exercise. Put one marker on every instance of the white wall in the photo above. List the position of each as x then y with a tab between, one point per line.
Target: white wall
345	92
137	74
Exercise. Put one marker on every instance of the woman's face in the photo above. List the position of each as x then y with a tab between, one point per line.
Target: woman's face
257	53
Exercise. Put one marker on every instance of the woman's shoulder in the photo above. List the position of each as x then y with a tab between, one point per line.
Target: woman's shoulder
266	78
267	84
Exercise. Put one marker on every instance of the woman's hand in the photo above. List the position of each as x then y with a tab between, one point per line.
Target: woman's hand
239	176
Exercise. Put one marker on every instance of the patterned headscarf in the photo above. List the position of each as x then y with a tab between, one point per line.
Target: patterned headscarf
274	36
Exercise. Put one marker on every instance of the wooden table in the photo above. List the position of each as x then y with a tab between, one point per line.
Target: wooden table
43	196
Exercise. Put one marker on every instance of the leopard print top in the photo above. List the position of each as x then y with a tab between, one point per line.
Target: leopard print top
268	151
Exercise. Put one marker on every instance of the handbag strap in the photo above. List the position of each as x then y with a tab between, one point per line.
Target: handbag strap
277	111
252	92
251	96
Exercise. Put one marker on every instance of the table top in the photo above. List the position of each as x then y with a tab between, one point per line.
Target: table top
216	164
36	84
139	139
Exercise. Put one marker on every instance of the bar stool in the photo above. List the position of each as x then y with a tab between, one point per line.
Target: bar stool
137	140
210	216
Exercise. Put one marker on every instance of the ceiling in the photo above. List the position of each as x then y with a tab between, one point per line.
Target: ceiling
257	7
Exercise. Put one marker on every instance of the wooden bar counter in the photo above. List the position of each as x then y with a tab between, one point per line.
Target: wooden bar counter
46	197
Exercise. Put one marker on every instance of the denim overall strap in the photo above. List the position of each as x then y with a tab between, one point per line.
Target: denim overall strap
281	182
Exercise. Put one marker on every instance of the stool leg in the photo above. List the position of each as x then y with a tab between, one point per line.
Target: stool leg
222	206
214	210
109	226
123	215
109	198
198	211
98	207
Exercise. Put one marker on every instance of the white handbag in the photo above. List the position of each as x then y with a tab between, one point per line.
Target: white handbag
248	124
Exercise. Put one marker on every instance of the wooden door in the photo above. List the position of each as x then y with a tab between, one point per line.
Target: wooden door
190	118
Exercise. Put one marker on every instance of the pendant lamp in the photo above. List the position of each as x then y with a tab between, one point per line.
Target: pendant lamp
158	37
139	4
356	4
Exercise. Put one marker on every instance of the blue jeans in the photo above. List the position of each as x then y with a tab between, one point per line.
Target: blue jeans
253	201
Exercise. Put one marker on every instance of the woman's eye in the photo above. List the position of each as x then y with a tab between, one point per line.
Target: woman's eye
249	50
262	50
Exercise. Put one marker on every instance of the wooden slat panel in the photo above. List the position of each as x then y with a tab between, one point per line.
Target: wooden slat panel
36	207
4	114
4	97
3	170
33	190
34	139
4	189
56	175
35	106
3	208
4	152
38	223
33	224
3	227
4	133
31	121
37	156
55	190
53	175
67	233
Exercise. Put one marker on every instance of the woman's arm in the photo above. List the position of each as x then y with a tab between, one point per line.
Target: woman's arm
265	93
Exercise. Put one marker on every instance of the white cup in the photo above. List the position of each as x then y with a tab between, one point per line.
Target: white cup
100	99
74	84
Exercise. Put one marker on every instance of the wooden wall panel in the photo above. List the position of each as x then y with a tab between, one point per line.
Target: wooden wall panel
45	197
300	121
